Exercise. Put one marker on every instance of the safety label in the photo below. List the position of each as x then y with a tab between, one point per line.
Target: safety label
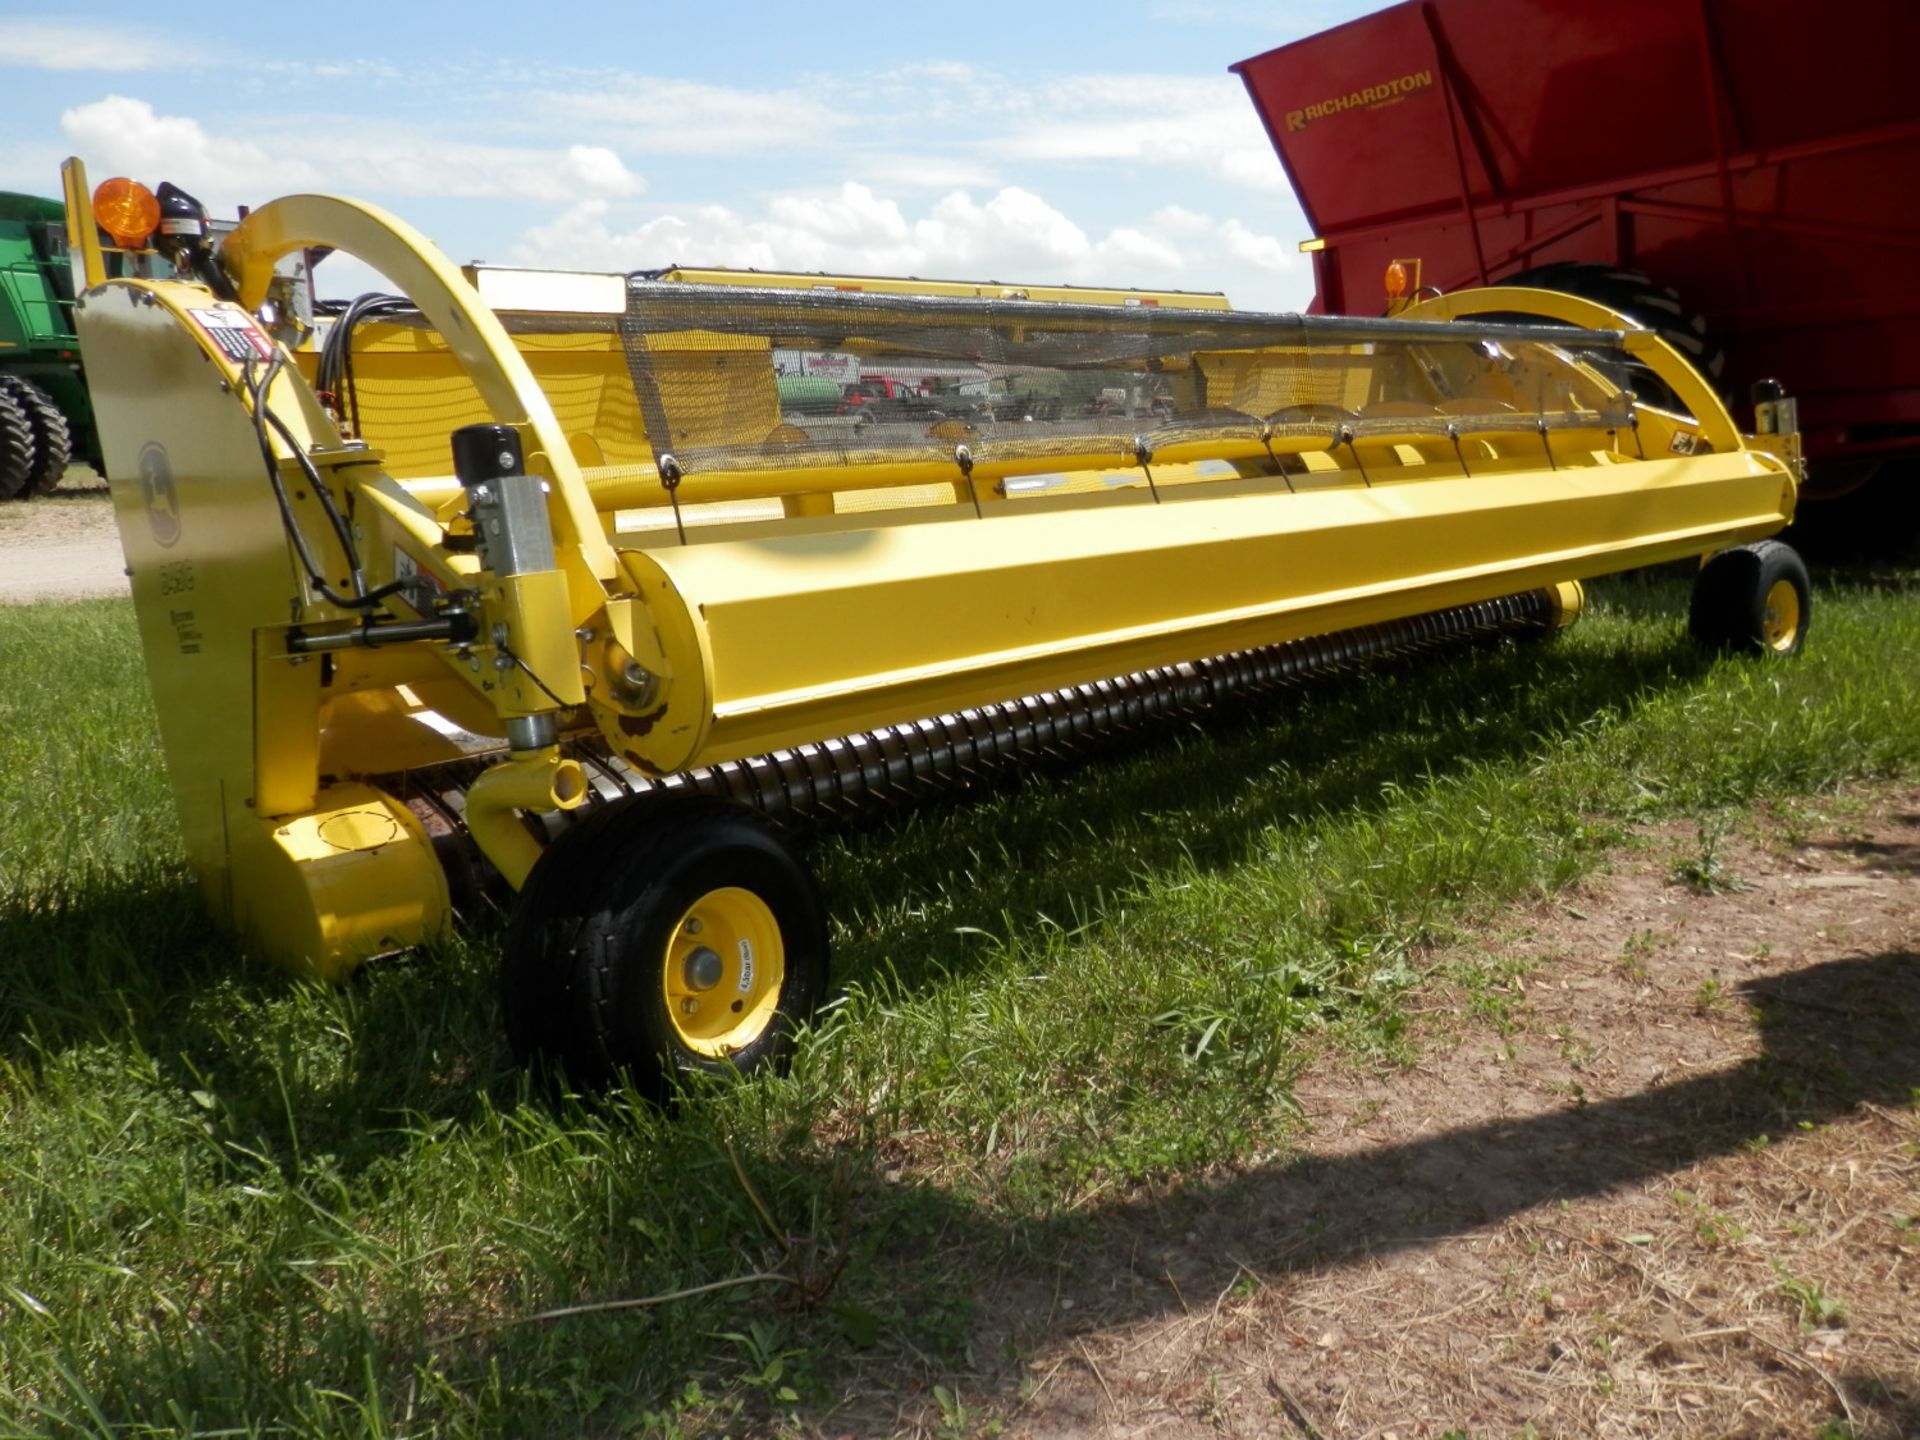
418	587
234	332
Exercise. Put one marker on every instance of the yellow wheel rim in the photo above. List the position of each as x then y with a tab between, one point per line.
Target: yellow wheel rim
1781	621
725	964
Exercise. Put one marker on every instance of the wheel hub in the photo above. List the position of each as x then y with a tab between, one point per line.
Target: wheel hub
703	969
725	966
1781	620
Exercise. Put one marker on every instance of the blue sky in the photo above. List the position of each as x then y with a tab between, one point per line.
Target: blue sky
1092	143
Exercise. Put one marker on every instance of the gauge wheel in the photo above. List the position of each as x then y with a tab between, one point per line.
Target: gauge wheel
17	450
543	931
52	436
672	934
1754	598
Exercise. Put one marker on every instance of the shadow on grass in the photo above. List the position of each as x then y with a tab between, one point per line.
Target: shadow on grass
1836	1036
300	1068
1343	745
139	964
1900	857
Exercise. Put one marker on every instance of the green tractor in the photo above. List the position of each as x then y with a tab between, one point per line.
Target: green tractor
46	420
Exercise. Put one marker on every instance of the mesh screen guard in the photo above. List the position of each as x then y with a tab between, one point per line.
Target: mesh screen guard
744	380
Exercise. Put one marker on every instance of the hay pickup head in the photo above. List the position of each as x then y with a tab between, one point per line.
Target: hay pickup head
536	580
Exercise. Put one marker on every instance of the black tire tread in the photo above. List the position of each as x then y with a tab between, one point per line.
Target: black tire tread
598	889
544	929
1658	307
1729	597
17	450
601	1045
52	435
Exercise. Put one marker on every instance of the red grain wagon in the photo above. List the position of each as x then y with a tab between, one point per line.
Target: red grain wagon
1743	175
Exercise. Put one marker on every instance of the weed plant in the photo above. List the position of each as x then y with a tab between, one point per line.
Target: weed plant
232	1203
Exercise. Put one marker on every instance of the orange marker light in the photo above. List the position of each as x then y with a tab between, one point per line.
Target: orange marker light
1396	280
127	211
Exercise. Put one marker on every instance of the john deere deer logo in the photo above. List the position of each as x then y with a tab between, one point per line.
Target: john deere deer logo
162	504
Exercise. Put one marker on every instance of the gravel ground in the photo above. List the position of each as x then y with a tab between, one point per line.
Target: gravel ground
62	546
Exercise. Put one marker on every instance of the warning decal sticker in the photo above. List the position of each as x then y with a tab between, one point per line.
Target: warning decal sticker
234	332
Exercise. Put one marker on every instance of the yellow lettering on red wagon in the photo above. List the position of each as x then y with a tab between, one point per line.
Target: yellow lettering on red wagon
1371	97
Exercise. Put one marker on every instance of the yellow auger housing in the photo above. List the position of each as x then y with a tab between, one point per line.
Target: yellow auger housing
513	544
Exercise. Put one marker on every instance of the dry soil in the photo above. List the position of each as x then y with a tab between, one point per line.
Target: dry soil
61	546
1655	1172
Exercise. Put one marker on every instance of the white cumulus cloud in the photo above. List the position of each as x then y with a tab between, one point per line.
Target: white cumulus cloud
122	135
598	169
127	135
1012	235
853	212
1203	126
1261	251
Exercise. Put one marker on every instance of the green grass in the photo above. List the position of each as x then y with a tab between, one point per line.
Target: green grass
234	1203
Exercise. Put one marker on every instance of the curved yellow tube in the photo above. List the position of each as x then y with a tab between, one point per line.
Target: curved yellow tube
536	780
471	331
1716	425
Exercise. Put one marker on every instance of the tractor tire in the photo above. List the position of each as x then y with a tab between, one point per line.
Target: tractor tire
670	935
52	436
1658	307
17	450
1753	599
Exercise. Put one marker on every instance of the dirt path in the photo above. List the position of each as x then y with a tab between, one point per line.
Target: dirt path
1655	1172
62	546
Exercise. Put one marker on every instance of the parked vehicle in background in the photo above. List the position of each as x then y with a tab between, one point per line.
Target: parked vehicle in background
885	398
46	415
46	421
808	395
1736	174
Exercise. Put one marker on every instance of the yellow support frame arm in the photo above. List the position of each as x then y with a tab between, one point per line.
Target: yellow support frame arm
1716	426
471	331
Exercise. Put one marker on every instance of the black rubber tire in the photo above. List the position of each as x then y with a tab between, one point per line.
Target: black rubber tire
1733	595
17	450
586	948
543	932
1658	307
52	436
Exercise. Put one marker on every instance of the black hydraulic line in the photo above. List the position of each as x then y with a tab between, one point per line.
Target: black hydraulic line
322	492
334	374
527	670
262	418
